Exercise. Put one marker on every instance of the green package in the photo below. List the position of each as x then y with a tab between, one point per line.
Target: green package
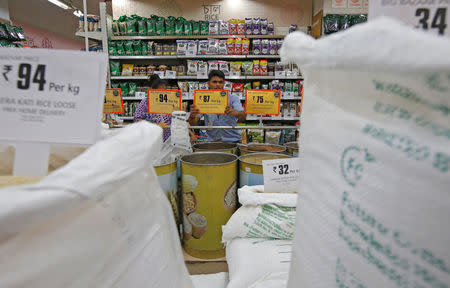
160	29
179	26
187	28
142	27
115	68
132	89
115	28
114	85
120	48
19	32
137	47
170	26
123	25
150	48
129	48
247	85
112	50
247	66
151	27
124	87
204	28
144	48
195	27
131	27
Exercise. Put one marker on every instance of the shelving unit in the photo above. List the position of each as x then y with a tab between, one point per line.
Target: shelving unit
196	78
187	37
218	56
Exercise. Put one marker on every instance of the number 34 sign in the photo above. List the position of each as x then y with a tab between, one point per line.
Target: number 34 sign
163	101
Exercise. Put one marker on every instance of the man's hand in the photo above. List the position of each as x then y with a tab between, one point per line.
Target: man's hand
163	125
230	111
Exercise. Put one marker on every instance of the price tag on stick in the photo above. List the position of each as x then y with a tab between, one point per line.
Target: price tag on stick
163	101
211	101
113	102
281	175
262	102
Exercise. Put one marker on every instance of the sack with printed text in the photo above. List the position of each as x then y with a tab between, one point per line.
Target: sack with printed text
375	175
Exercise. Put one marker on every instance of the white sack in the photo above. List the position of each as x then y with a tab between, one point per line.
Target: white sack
253	260
254	195
375	176
272	280
218	280
100	221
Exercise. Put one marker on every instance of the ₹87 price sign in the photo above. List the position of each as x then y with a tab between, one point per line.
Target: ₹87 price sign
262	102
163	101
113	102
211	101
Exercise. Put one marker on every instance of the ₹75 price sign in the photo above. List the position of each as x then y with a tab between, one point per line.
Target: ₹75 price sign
113	102
163	101
262	102
211	101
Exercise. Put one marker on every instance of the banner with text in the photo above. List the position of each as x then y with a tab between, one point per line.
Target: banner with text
211	101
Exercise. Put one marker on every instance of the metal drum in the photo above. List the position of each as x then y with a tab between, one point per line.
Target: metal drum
167	178
225	147
251	169
261	148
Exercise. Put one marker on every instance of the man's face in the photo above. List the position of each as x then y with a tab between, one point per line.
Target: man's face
216	83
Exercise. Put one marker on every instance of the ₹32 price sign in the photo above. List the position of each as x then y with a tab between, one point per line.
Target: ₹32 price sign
113	102
429	15
211	101
163	101
262	102
281	175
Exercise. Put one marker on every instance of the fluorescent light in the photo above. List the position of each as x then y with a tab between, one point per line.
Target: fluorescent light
78	13
59	4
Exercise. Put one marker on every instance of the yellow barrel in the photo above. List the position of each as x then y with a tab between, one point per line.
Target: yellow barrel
225	147
261	148
167	178
251	169
209	199
292	148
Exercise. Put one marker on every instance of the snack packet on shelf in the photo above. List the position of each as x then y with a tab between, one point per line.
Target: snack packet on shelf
231	46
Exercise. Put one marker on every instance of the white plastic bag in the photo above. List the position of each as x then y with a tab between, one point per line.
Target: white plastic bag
100	221
254	195
375	179
218	280
254	260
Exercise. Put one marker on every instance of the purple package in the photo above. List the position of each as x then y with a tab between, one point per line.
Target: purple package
264	25
279	66
279	43
270	28
256	46
264	46
273	47
256	26
248	26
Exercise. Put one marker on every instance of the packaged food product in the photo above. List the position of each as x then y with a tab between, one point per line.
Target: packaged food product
193	86
331	23
288	86
271	68
255	136
256	69
223	47
142	27
131	89
151	27
245	46
127	69
265	86
162	68
166	49
144	48
213	27
264	24
345	22
273	47
173	50
224	67
181	70
184	86
273	137
181	47
203	86
238	46
158	49
112	50
292	28
122	25
202	67
256	27
233	27
136	70
235	66
256	85
131	26
179	26
213	65
264	70
248	26
241	27
238	87
192	67
137	47
203	47
247	85
279	44
124	87
213	46
230	46
228	86
120	48
204	28
150	70
195	28
264	46
128	45
256	46
114	66
170	25
187	28
114	27
224	28
192	47
270	28
115	85
150	48
160	29
295	88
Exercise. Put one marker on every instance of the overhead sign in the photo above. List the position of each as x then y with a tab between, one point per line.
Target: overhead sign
161	101
427	15
211	101
113	102
281	175
262	102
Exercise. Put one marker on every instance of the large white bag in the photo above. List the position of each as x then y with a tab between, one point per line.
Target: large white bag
375	179
100	221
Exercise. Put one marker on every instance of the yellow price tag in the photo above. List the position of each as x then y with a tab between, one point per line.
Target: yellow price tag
211	101
113	102
262	102
163	101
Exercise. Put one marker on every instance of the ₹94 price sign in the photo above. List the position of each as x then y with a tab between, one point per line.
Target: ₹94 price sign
211	101
262	102
163	101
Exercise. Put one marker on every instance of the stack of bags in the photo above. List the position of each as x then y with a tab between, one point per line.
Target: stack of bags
258	238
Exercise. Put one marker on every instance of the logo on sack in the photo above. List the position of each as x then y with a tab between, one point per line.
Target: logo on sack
352	163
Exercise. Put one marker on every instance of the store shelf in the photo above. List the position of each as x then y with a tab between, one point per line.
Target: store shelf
179	37
217	56
274	78
263	56
142	57
195	78
91	35
255	118
125	118
129	77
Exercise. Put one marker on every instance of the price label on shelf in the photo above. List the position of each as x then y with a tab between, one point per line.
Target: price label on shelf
113	102
262	102
202	75
211	101
170	74
281	175
163	101
140	95
235	74
191	53
159	73
431	16
280	74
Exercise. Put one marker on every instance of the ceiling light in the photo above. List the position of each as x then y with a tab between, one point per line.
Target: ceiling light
59	4
78	13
